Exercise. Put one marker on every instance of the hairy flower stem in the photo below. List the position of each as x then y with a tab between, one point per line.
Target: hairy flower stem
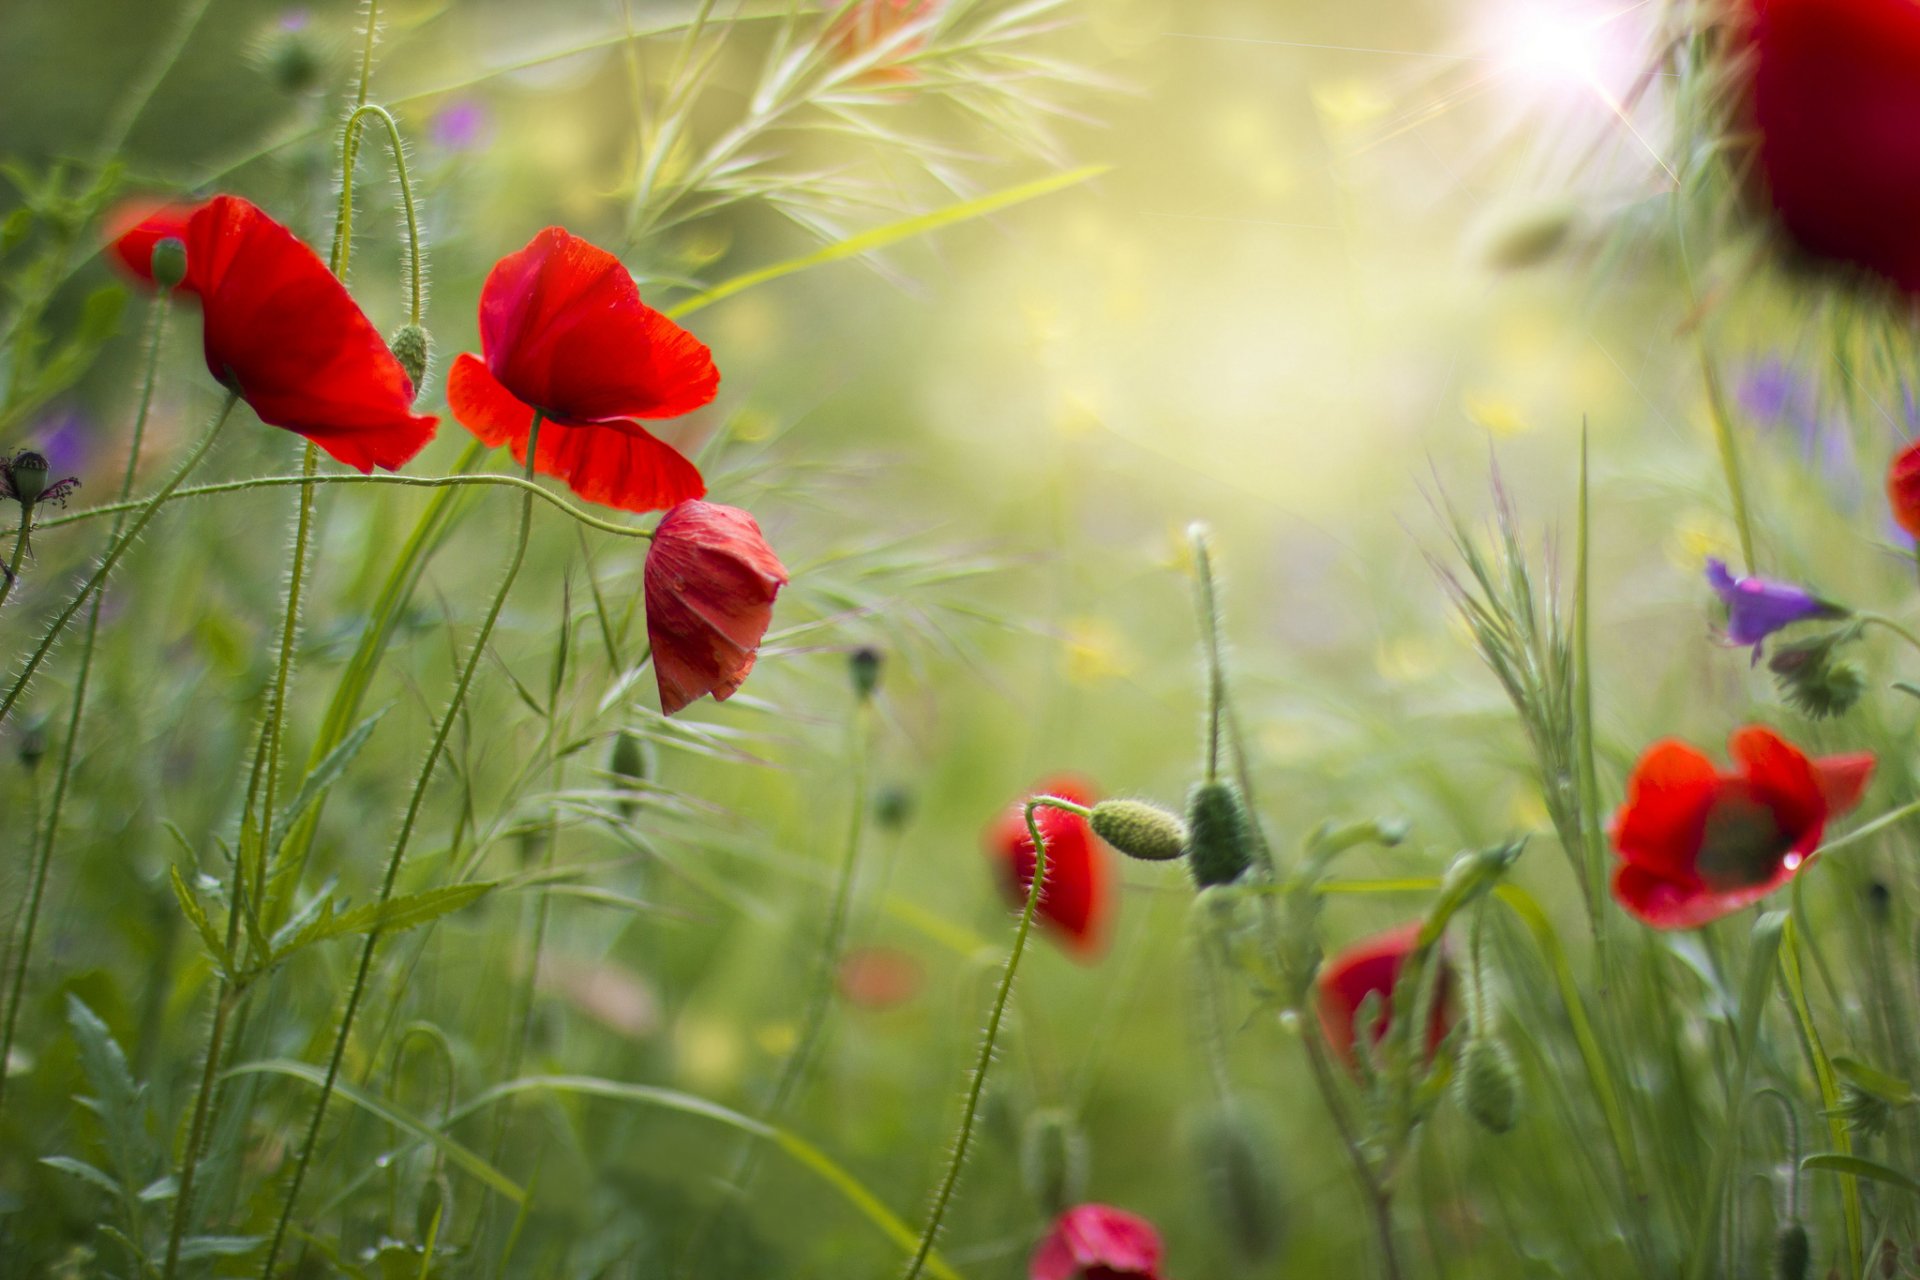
1207	598
19	555
398	855
49	833
143	514
1377	1191
820	996
963	1139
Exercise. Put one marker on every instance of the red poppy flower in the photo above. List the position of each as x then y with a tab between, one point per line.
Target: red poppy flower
1097	1242
710	581
136	227
1834	97
1076	892
1696	843
872	23
281	329
563	330
1903	488
1372	966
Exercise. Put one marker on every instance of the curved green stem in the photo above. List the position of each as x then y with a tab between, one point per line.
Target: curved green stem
143	513
977	1085
50	832
416	270
399	852
353	477
1881	620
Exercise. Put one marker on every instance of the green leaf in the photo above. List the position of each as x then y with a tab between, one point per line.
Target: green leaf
85	1172
395	915
1861	1167
197	916
1873	1080
117	1100
321	777
194	1248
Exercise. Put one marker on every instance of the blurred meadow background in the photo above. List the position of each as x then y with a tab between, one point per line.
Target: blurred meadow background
1313	275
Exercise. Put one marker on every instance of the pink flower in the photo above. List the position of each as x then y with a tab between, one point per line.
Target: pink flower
1097	1242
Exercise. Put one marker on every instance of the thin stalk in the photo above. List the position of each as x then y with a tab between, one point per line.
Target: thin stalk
49	833
19	555
398	855
197	1130
1210	632
977	1086
1379	1197
144	513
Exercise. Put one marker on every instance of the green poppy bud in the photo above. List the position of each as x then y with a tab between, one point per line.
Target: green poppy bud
1241	1183
863	664
1139	829
1487	1085
33	741
1053	1160
169	262
1217	837
411	346
1792	1252
627	762
893	806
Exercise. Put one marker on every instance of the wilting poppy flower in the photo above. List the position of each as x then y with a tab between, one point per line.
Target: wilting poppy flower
710	582
1758	607
1369	967
1076	891
1903	488
280	329
563	331
1834	98
870	24
1696	843
1097	1242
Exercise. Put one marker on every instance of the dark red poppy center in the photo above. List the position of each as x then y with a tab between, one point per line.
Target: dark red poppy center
1741	842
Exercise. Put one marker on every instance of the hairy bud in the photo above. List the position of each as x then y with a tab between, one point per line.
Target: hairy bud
1792	1252
1217	836
863	665
1053	1160
893	806
627	762
411	346
1241	1183
1487	1086
1139	829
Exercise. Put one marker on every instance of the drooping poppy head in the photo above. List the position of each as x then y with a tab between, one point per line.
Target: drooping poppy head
1076	893
710	581
563	331
1097	1242
280	329
1758	607
1903	488
1371	967
1833	95
1696	843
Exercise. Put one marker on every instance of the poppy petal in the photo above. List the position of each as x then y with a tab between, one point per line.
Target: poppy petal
1784	779
1672	904
1668	796
1076	898
1843	780
282	329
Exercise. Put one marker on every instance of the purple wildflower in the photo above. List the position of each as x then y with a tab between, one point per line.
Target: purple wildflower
1758	607
462	125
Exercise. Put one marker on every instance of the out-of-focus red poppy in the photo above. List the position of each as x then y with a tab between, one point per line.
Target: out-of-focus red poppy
1097	1242
1371	966
136	227
878	978
871	24
1696	843
710	582
282	330
1903	488
1834	96
1076	894
563	331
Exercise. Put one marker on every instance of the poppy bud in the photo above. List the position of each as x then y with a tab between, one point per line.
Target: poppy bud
33	741
1053	1160
1792	1253
1487	1086
1139	830
863	664
1241	1183
1216	834
411	346
1879	901
28	473
291	57
169	262
628	764
893	806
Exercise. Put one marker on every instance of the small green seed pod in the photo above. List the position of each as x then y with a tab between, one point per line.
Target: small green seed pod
1053	1160
1139	829
28	473
411	347
627	762
1241	1183
1792	1252
1487	1086
169	263
863	665
1217	841
893	806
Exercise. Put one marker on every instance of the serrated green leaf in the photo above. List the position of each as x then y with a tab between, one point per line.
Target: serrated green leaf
321	777
1861	1167
196	916
85	1172
117	1099
408	911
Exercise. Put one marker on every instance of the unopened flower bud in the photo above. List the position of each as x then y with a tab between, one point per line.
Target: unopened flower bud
893	806
1813	677
291	55
411	346
1792	1252
169	262
863	664
1241	1183
1139	829
1487	1086
33	741
628	764
1053	1160
1217	836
